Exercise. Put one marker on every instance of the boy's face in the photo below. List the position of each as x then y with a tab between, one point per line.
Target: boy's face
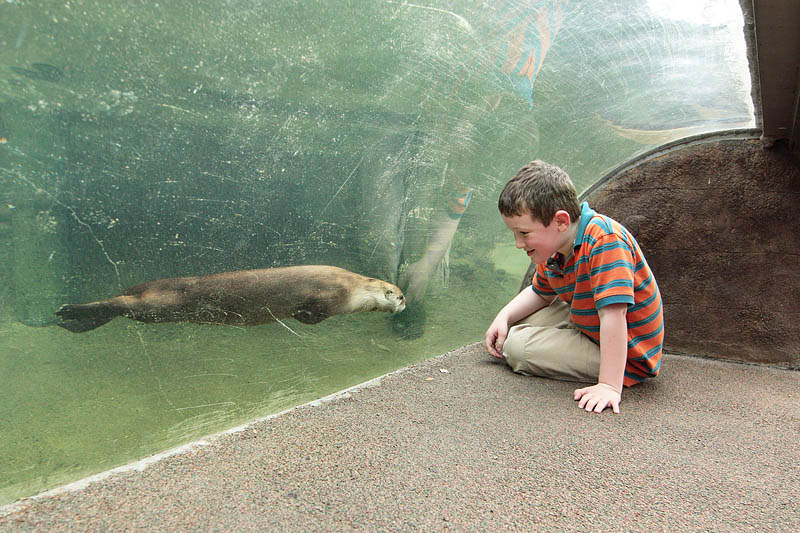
540	242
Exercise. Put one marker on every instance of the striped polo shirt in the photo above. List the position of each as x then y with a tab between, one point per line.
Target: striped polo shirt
607	267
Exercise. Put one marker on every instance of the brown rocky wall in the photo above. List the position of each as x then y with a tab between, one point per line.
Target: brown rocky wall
718	223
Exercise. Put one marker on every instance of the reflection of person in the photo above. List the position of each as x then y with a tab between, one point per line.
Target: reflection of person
606	323
512	42
414	279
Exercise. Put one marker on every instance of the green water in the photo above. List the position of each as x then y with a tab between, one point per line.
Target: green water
78	404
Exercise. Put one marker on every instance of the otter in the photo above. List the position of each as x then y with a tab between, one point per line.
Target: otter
309	293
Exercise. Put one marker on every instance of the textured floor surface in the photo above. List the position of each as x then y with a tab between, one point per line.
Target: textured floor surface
706	445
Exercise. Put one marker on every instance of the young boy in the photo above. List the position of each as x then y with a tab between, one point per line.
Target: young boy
606	323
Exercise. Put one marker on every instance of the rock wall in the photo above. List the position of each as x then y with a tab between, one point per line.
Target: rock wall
718	222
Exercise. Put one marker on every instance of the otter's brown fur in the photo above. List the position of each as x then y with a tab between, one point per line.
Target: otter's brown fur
309	293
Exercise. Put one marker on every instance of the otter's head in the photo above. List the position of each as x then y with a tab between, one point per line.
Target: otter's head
395	299
378	295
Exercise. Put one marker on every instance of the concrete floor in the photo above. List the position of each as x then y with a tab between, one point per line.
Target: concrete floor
707	445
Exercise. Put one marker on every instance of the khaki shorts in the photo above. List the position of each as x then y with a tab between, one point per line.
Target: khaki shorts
547	344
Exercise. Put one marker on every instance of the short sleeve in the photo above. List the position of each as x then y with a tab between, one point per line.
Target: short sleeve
611	271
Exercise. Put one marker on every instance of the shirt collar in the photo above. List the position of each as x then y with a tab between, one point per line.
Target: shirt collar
554	263
587	213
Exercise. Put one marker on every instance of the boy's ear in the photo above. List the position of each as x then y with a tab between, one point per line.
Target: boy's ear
562	219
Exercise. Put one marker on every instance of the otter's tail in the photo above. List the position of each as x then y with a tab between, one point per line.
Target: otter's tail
78	318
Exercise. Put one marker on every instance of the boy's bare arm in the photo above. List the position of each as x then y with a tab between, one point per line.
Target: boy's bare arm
613	355
523	304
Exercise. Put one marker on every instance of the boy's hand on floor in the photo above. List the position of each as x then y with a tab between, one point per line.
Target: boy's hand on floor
598	397
496	337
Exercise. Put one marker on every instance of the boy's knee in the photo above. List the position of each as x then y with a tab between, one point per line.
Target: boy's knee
514	349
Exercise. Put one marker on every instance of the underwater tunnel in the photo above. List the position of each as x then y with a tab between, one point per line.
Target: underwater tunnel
146	141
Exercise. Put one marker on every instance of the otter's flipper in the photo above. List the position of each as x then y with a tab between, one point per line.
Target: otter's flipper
78	318
310	315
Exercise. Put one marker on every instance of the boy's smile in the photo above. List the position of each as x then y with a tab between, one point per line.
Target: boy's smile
540	242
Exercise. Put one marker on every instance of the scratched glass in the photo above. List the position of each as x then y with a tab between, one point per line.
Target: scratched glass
143	140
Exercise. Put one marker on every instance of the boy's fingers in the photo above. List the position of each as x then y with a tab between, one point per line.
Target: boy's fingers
590	400
585	401
498	349
491	343
495	344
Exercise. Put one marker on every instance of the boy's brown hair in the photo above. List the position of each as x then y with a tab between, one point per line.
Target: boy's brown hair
539	189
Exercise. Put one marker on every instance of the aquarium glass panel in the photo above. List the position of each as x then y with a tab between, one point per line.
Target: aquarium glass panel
145	140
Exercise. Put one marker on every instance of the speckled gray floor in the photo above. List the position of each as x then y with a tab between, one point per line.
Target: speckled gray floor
706	445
